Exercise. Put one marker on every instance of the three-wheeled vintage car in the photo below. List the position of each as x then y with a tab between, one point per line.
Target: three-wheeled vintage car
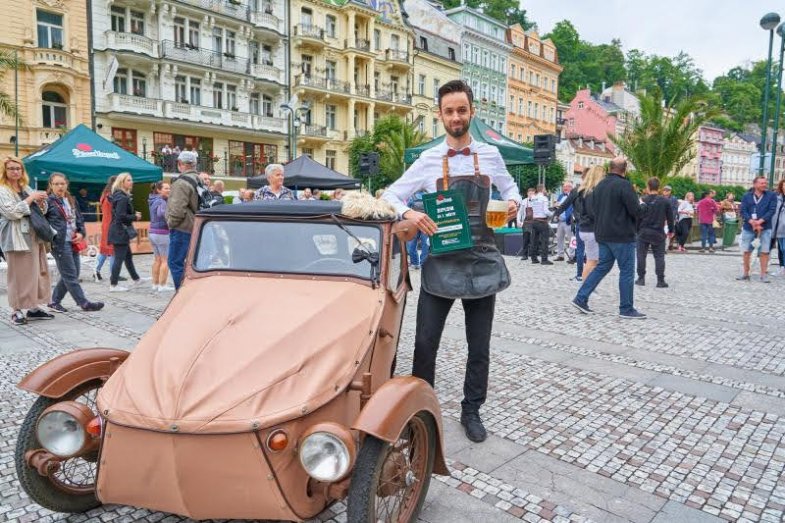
264	391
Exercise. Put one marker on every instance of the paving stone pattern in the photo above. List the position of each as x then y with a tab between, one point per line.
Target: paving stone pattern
707	460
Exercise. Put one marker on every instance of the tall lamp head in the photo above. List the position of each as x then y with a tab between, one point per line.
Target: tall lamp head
769	21
781	30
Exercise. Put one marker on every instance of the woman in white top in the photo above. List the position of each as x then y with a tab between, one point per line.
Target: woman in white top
686	212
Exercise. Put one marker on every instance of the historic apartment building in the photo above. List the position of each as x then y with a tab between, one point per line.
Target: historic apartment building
532	85
437	60
485	54
705	166
207	75
50	37
736	161
351	64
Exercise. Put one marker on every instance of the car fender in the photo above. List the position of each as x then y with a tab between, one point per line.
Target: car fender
57	377
389	409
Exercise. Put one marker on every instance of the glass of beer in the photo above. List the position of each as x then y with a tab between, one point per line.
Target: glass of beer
496	214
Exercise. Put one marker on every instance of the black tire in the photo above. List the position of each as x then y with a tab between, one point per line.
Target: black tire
365	483
41	489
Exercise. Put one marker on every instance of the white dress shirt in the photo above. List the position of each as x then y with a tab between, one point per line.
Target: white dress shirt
539	205
427	169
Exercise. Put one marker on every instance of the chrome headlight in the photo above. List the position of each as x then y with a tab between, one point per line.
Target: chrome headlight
327	452
61	428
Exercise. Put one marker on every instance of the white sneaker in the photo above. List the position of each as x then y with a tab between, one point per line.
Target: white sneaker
156	288
165	288
136	283
117	288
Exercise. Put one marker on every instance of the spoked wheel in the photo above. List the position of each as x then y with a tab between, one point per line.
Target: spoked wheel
390	482
71	485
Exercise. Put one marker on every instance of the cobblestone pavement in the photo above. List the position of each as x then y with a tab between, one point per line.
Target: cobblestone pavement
592	418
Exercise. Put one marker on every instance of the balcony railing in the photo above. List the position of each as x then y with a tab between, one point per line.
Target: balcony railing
223	117
233	8
132	42
398	55
314	130
360	44
135	104
393	96
183	52
309	31
57	57
363	90
266	20
267	72
330	84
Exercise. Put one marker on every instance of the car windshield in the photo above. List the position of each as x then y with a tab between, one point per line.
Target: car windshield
284	247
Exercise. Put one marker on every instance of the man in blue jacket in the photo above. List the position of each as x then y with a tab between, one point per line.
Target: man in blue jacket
757	212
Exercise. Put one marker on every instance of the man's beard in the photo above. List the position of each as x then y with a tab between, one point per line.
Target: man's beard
459	132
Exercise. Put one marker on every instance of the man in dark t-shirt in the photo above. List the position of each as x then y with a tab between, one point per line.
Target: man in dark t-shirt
651	235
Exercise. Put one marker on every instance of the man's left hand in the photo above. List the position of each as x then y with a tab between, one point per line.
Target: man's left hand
512	210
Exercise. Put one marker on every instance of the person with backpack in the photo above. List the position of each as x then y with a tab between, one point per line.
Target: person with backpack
183	204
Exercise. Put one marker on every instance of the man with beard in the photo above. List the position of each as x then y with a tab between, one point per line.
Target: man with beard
468	167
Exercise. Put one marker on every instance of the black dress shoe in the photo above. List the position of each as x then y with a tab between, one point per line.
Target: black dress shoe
473	426
524	257
39	314
560	258
535	260
640	281
546	262
92	306
661	284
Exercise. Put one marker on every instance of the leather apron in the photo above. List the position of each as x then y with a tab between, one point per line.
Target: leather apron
468	273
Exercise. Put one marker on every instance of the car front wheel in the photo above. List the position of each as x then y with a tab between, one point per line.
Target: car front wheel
390	482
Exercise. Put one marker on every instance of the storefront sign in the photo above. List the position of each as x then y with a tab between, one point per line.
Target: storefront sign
139	245
448	210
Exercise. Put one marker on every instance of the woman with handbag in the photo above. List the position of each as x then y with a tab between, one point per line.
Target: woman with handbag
122	231
64	216
24	247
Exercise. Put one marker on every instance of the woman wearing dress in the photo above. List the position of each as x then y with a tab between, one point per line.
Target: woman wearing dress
28	273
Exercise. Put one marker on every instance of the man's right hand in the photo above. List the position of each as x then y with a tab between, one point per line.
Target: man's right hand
422	221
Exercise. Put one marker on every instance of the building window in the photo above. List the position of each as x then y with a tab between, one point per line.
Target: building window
50	30
330	23
307	64
329	116
180	89
520	106
193	34
139	84
254	104
218	95
376	78
423	43
421	85
125	138
467	52
580	105
395	42
218	40
529	109
512	70
231	98
306	17
118	19
330	71
179	31
121	81
137	22
394	84
436	85
231	43
451	53
476	55
267	106
307	151
377	39
267	54
485	59
511	107
329	159
196	91
435	127
53	110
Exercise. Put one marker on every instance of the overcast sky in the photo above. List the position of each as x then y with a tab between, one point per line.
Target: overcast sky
718	34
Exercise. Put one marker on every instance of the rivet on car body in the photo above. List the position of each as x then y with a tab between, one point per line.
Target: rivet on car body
174	428
304	410
270	477
255	425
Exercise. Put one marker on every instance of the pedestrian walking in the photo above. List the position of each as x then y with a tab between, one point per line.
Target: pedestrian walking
181	208
652	235
526	218
541	231
121	232
563	226
758	207
686	213
616	210
159	235
65	217
778	231
475	276
707	210
667	193
105	249
28	284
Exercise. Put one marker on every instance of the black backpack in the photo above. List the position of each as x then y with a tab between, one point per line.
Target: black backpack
205	199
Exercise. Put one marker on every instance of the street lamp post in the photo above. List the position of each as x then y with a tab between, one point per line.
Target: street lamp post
768	23
144	148
294	123
781	33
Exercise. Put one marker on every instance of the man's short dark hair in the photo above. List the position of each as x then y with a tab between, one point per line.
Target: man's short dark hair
456	86
540	188
653	184
530	189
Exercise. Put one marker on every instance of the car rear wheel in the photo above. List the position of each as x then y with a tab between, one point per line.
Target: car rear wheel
390	482
71	486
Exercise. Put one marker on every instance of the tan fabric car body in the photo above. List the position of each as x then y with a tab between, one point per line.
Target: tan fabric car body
235	357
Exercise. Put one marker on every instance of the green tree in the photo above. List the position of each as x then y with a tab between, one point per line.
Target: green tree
660	142
526	176
9	62
508	12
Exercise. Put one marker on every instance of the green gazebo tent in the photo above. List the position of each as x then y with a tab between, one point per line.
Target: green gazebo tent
512	152
87	158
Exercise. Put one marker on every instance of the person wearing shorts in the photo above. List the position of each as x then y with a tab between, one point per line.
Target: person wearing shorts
758	207
159	235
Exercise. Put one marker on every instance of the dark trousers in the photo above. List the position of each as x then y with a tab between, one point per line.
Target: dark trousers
122	254
431	315
654	241
540	236
683	230
178	250
68	264
580	252
527	239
